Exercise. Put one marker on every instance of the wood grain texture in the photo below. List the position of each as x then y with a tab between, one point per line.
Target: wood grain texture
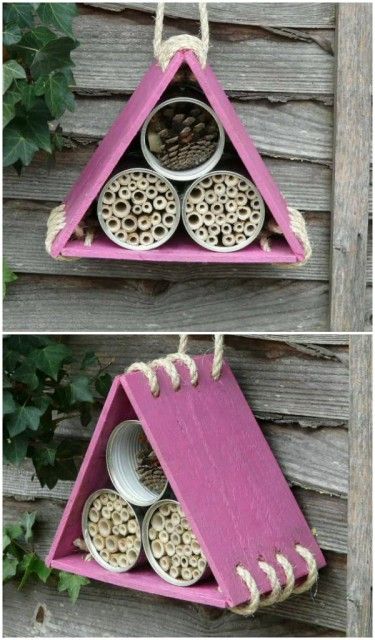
326	515
306	186
360	493
273	57
308	15
297	129
111	612
30	257
351	167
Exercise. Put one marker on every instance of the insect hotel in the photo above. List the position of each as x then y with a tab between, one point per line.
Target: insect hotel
178	179
180	495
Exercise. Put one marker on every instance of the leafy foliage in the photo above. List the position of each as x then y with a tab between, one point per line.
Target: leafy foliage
37	77
20	560
8	276
43	385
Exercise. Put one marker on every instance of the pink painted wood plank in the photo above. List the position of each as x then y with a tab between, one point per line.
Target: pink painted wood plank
180	248
142	579
245	147
93	472
224	474
114	145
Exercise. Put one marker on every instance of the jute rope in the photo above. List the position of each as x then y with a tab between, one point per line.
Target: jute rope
164	51
277	593
298	226
167	363
55	224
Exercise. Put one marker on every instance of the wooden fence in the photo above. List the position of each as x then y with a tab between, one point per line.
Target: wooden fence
311	395
277	63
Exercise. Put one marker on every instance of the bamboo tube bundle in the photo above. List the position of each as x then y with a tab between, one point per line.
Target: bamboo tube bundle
224	211
148	467
182	138
111	531
138	209
171	546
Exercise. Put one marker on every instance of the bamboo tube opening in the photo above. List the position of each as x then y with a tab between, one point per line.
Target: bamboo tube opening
137	209
133	238
138	196
159	231
202	207
124	193
114	224
109	197
121	208
144	223
146	238
195	220
147	207
130	223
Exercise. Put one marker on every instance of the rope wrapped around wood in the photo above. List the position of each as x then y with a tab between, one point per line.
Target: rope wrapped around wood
164	51
298	226
56	223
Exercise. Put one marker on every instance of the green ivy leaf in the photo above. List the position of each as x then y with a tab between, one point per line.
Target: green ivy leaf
33	564
90	359
50	359
26	373
24	417
9	101
58	96
14	531
8	276
103	384
6	541
31	42
10	565
80	389
27	93
11	34
35	122
59	15
15	449
53	55
21	12
11	71
17	145
8	403
72	584
28	521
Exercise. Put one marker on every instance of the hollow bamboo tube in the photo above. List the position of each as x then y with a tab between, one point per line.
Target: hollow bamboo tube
201	233
111	543
170	549
254	216
165	563
238	227
201	565
176	561
160	203
196	195
146	238
105	555
174	572
114	224
104	527
133	238
114	186
216	208
147	207
124	193
229	240
121	235
210	197
144	223
239	237
93	529
202	207
158	521
106	513
184	561
108	197
104	499
124	514
206	182
208	219
196	574
226	228
175	538
159	231
143	183
168	195
186	537
168	220
122	545
230	206
130	223
219	189
241	200
98	541
171	207
186	574
116	517
133	526
97	504
163	536
212	240
155	218
93	515
157	549
115	530
195	547
230	181
231	218
195	220
193	562
124	180
132	184
215	229
137	209
123	561
106	212
110	506
169	526
138	196
189	207
244	213
152	533
151	192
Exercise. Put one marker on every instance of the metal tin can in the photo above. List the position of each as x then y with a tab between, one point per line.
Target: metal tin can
256	221
133	551
200	573
170	229
123	446
186	174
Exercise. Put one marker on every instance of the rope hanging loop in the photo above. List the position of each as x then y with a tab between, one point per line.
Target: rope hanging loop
164	51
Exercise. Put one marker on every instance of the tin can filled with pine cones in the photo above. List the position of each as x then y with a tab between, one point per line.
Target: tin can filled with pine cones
133	466
182	138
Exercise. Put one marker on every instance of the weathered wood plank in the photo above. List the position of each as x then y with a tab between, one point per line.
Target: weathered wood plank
35	303
278	65
352	161
360	494
311	15
325	514
306	186
295	449
298	129
276	378
31	257
113	612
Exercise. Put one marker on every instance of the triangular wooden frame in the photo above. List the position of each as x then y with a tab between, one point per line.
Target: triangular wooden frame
284	249
221	470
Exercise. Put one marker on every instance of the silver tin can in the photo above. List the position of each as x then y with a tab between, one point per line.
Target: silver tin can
257	224
138	247
138	554
186	174
147	546
123	446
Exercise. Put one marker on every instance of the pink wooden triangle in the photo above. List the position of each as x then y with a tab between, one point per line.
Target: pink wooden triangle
118	139
220	468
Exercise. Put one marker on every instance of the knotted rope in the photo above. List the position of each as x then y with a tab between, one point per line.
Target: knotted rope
55	224
167	363
298	226
164	51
